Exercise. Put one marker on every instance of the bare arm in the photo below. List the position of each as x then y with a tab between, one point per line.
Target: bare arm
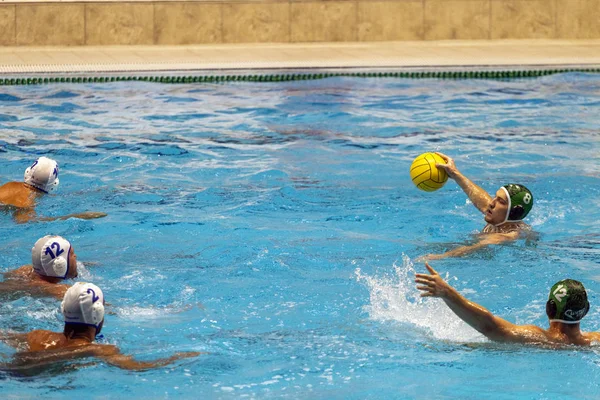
17	281
481	319
479	197
127	362
19	272
41	358
56	290
83	215
23	215
50	290
490	238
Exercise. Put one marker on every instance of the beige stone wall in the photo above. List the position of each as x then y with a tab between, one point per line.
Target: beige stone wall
29	23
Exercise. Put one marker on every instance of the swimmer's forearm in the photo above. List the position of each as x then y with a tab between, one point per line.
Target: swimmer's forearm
83	215
479	197
463	250
127	362
491	238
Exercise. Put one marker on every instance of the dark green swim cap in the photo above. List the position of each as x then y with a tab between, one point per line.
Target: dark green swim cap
520	201
567	302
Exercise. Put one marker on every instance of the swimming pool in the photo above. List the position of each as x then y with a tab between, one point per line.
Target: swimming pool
274	227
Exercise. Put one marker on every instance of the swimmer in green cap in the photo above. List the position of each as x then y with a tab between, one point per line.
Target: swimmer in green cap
503	213
567	305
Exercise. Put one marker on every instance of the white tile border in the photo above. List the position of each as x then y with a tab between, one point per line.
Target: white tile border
441	54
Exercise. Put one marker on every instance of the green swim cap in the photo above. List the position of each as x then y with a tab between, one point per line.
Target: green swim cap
567	302
520	201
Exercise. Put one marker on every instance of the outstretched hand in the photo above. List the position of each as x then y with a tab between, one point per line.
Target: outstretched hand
432	284
449	167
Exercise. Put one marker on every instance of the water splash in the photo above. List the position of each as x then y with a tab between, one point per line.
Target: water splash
184	302
82	272
395	298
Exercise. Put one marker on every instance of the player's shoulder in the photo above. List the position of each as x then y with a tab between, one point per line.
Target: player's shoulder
592	336
13	186
38	335
527	333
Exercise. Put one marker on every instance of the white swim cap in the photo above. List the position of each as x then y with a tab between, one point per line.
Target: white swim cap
43	174
50	256
83	304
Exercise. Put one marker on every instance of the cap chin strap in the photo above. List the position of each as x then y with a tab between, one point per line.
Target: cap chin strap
35	187
565	322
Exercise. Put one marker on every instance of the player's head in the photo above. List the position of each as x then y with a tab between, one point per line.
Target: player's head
567	302
54	257
42	174
511	204
83	305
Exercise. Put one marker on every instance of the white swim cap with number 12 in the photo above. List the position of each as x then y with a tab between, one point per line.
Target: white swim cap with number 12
50	256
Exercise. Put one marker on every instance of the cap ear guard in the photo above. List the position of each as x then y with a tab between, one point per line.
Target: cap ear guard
587	309
59	266
516	213
92	306
97	314
52	187
520	202
550	309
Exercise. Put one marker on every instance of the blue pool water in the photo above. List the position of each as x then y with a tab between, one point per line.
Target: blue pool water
274	227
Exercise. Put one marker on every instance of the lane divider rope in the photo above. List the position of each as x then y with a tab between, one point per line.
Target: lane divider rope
285	77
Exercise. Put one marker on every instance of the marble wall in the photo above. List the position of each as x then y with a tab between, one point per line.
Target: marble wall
44	23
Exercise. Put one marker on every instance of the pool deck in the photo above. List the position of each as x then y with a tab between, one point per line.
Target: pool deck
413	55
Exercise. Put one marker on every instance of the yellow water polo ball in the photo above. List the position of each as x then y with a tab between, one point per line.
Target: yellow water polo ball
425	175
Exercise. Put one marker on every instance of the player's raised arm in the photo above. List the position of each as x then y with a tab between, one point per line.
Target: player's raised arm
479	197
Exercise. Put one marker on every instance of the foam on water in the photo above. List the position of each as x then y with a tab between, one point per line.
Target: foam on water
394	297
83	273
